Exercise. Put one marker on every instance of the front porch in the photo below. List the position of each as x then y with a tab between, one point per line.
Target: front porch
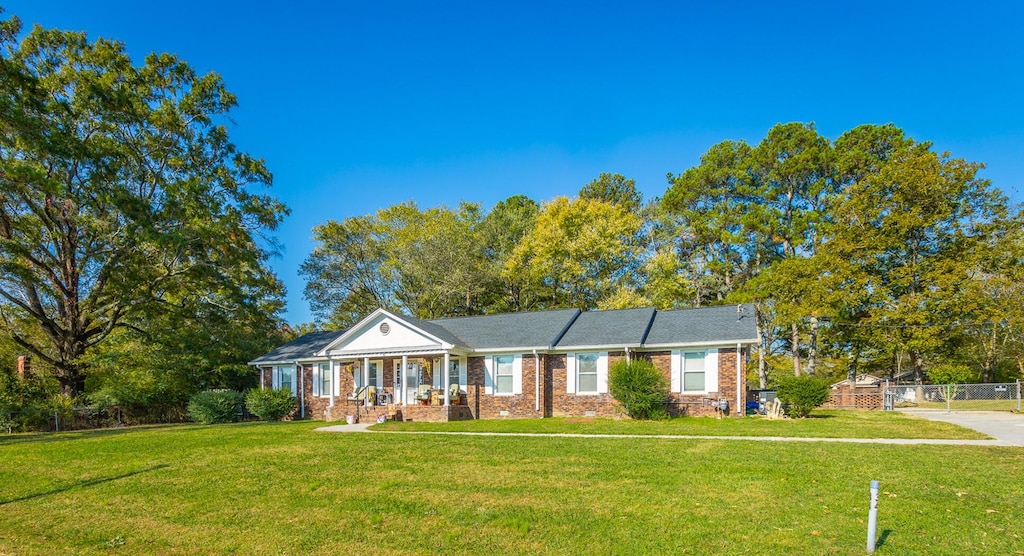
363	413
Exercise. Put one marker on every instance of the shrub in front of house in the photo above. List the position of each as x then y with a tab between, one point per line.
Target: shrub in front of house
640	387
214	406
270	405
802	394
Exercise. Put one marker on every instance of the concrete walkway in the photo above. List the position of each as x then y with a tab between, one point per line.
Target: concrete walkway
364	428
1006	427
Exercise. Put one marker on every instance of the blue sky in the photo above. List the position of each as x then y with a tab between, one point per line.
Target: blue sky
357	106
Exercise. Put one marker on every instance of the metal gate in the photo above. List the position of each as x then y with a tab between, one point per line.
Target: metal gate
1004	396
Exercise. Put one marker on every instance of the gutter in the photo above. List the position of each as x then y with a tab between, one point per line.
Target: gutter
536	381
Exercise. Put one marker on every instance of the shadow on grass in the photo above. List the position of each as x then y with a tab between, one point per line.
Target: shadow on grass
882	538
83	484
34	438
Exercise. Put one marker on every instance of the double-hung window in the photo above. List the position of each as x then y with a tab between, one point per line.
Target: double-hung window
286	376
694	371
586	373
325	379
503	372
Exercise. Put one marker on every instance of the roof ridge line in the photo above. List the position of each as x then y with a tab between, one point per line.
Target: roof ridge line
565	329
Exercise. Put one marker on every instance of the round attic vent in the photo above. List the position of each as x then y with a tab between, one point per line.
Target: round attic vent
385	328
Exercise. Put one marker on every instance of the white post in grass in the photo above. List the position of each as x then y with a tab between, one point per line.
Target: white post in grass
873	517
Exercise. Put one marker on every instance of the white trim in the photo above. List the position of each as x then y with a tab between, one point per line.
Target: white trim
517	374
710	371
511	349
601	347
447	377
677	371
717	343
570	373
358	329
491	375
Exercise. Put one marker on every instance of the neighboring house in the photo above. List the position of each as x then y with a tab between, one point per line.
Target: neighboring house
536	364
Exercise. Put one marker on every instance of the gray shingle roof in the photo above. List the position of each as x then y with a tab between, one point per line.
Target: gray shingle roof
431	327
510	330
303	347
624	327
706	324
563	329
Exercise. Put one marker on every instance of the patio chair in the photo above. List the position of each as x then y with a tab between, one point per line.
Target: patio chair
453	393
423	393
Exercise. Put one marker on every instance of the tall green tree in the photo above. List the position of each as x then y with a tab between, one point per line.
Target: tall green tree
121	197
911	230
614	189
578	253
501	230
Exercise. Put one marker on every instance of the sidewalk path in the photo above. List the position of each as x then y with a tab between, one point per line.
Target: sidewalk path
364	427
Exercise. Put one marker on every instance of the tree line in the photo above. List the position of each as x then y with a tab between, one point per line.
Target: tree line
868	253
133	232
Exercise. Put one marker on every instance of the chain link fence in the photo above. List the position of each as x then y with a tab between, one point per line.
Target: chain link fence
82	418
955	397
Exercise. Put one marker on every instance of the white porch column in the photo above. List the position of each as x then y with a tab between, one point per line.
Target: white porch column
366	378
330	369
446	379
262	386
405	363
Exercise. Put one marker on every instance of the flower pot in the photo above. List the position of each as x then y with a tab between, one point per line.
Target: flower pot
350	419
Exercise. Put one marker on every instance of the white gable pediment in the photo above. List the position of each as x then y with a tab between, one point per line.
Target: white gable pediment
383	332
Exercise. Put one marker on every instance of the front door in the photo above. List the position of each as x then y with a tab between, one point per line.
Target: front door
412	381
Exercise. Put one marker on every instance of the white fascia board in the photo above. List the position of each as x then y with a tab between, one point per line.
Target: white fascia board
367	319
718	343
538	349
413	351
608	347
271	363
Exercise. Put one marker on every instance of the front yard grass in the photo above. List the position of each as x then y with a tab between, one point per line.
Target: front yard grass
283	488
821	424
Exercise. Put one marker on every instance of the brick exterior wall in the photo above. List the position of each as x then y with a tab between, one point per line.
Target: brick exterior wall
554	400
700	405
565	404
484	406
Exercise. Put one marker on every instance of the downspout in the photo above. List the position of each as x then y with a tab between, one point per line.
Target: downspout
740	409
536	381
302	389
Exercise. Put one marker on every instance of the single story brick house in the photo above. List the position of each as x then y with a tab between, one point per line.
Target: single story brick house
531	364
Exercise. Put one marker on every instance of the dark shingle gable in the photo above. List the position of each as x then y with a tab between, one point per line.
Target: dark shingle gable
303	347
623	327
539	329
706	324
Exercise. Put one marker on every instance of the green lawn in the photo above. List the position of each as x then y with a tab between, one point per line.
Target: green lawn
286	489
821	424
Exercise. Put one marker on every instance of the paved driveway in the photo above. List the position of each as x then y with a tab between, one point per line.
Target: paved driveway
1004	426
